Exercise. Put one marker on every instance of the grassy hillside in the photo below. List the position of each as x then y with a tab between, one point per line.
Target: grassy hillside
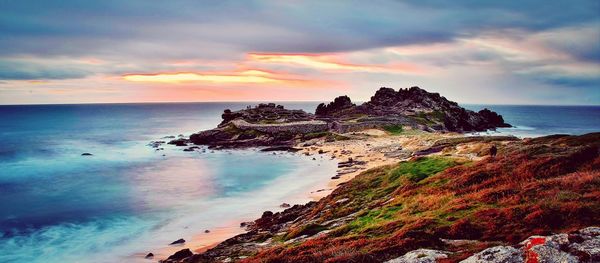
532	187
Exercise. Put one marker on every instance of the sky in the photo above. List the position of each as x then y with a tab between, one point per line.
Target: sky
470	51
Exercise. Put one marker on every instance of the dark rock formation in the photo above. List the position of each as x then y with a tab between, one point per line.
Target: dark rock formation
150	255
86	154
181	254
493	118
178	241
179	142
337	107
430	108
280	149
265	113
273	125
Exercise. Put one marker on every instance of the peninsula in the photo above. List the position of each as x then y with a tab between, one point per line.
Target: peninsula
412	187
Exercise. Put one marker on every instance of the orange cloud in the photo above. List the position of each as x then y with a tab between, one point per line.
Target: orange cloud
328	62
247	76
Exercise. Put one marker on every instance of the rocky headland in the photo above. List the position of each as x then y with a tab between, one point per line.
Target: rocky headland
411	188
273	125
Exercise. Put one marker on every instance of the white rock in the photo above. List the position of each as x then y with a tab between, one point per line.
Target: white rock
549	254
590	247
421	256
499	254
592	231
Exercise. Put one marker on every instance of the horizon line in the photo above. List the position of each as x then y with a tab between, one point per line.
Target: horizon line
265	101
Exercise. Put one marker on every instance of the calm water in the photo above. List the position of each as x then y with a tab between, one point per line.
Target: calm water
128	199
59	206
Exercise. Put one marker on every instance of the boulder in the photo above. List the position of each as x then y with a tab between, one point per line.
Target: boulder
179	142
499	254
178	241
421	256
181	254
150	255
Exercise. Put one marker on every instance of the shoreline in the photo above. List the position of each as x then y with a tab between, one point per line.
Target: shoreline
370	148
201	241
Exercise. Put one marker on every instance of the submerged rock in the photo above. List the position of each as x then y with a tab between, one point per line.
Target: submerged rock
179	142
280	149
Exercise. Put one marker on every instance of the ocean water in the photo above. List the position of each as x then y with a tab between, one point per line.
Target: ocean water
535	121
129	199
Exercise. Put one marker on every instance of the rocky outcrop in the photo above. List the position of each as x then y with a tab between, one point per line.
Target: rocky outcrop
335	108
417	106
273	125
499	254
179	255
266	113
421	256
578	246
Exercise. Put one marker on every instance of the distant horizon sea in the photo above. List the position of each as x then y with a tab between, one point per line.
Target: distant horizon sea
128	198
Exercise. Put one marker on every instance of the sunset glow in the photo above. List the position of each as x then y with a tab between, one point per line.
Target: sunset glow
325	62
474	52
242	77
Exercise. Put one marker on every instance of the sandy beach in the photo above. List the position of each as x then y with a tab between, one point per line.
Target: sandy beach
370	148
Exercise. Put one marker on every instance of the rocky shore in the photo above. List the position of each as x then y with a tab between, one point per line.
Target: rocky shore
459	202
273	125
411	187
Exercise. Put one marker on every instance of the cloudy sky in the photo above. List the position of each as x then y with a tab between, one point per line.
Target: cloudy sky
471	51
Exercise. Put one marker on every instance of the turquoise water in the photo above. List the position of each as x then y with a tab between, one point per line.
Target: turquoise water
128	199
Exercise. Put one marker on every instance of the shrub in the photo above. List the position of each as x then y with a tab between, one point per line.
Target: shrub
394	129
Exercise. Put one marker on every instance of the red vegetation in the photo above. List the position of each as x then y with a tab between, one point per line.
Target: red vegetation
535	187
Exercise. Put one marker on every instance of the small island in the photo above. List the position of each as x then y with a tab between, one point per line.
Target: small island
411	185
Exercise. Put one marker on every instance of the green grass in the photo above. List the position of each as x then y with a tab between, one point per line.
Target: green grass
374	218
394	129
421	169
378	184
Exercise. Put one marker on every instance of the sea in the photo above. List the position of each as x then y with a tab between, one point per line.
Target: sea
128	199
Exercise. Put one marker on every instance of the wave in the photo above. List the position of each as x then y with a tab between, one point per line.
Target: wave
69	242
